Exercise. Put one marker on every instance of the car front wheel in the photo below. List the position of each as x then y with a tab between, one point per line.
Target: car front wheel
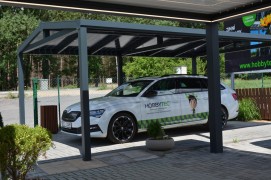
122	128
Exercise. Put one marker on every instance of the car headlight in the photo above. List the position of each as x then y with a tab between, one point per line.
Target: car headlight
96	113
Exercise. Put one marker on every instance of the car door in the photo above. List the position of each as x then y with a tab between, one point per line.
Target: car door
164	106
194	99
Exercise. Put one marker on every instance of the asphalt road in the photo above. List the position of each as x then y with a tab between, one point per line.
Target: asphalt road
9	108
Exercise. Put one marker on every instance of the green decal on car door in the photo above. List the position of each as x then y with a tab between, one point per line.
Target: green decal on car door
142	124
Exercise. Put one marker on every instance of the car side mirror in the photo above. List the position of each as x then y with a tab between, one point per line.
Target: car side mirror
151	93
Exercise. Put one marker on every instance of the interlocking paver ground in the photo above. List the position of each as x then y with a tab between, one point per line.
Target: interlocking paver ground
247	155
195	164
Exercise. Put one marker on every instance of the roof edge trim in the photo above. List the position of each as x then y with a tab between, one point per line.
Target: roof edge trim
115	12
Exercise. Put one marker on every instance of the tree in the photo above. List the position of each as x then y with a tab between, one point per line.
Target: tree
17	23
151	66
143	66
14	29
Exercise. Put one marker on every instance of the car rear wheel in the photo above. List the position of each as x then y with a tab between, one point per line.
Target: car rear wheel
122	128
224	118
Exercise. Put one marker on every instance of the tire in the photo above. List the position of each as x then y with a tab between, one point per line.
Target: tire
224	115
122	128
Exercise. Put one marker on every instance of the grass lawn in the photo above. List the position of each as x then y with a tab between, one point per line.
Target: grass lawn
253	83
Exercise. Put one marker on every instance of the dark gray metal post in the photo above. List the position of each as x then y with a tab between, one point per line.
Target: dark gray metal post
215	119
119	63
84	93
232	80
21	87
120	72
194	65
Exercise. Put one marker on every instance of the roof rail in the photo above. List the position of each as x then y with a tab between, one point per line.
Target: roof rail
147	77
166	75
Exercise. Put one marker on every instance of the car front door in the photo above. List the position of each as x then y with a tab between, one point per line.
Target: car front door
162	106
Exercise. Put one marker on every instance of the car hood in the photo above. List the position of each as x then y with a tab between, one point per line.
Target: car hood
100	103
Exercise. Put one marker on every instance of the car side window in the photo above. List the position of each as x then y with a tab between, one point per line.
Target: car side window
184	85
164	86
204	84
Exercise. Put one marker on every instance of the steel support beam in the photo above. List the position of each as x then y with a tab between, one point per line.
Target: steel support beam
215	119
32	36
194	65
84	93
135	43
190	47
21	87
65	43
100	45
119	63
47	39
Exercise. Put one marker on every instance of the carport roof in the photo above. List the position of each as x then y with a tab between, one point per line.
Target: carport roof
113	39
191	10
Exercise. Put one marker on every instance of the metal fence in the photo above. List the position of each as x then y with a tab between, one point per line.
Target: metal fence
70	83
63	92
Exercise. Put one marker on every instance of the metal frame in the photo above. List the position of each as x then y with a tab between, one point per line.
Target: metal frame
21	87
119	63
84	93
216	141
193	40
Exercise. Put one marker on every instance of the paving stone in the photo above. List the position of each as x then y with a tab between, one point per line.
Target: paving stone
248	159
119	159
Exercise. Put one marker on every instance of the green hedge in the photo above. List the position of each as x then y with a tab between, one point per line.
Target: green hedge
20	148
248	110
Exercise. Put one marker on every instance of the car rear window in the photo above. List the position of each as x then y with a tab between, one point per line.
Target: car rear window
205	81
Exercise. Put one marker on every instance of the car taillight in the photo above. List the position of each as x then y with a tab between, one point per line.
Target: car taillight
234	95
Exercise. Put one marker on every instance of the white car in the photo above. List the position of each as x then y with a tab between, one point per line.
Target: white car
174	100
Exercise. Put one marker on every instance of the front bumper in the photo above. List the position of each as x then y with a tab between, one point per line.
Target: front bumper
78	130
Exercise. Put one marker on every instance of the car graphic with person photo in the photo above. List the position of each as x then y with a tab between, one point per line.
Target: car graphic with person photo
173	101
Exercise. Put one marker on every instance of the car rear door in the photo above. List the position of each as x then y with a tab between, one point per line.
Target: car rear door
194	99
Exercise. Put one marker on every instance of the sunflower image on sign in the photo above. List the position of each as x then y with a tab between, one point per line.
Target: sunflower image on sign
192	102
265	21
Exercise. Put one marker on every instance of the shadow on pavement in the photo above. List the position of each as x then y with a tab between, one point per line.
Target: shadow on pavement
174	164
76	141
241	124
265	143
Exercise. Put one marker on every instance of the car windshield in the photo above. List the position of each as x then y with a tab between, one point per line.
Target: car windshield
130	89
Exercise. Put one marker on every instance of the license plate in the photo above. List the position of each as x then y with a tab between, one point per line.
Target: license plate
67	125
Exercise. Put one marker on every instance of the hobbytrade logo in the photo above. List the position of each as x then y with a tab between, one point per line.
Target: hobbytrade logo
158	104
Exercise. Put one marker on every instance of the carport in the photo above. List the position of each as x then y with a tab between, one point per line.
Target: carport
210	12
87	37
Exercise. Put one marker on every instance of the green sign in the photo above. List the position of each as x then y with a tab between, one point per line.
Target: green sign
249	20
